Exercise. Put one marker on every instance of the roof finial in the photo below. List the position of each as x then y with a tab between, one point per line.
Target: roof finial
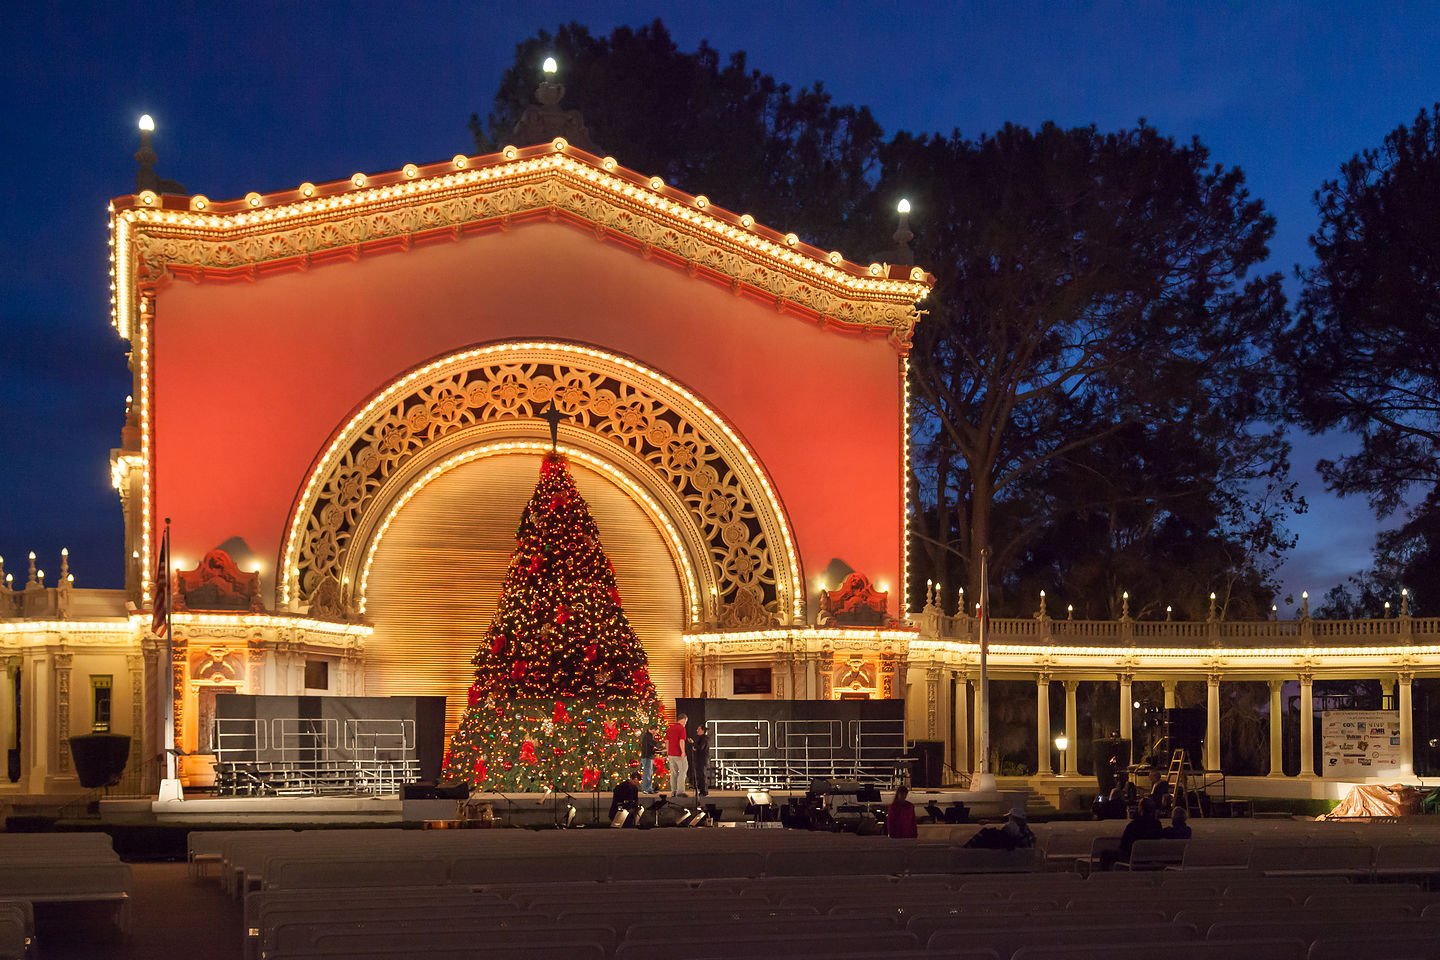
902	254
544	121
146	178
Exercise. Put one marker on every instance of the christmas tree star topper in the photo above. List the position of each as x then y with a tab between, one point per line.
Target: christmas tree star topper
553	416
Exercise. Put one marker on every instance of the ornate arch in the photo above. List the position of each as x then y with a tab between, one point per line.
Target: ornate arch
651	427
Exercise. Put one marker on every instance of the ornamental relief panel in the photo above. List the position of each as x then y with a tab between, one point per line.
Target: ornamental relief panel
732	517
159	247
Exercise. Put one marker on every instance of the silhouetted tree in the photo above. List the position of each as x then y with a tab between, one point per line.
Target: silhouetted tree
1363	353
1093	299
750	143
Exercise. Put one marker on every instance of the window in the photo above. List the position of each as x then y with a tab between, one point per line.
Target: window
752	680
100	698
317	674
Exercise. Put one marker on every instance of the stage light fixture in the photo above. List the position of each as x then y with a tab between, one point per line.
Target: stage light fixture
698	819
683	817
620	817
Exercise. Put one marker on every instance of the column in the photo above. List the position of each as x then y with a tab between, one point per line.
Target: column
932	702
1407	726
1042	723
1277	711
1071	729
1307	725
8	739
1212	721
961	733
1387	688
1126	697
1169	687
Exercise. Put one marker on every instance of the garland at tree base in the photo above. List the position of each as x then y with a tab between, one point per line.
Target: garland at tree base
527	745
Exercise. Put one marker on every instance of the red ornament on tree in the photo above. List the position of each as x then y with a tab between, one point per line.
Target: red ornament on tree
614	596
590	653
475	693
610	730
497	644
589	779
642	679
561	715
517	671
527	752
535	563
480	770
562	613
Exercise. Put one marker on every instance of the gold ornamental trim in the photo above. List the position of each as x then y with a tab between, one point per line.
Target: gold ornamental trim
152	239
727	502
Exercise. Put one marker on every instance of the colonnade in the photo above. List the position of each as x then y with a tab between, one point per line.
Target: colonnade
966	686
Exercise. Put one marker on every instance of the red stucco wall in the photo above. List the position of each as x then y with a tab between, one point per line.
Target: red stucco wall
251	379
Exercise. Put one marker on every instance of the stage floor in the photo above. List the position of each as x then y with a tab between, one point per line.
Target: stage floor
521	810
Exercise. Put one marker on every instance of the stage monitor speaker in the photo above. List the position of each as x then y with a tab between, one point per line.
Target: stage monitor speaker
1185	729
417	791
926	770
452	791
1112	759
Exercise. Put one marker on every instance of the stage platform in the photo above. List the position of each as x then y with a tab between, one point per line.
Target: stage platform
518	810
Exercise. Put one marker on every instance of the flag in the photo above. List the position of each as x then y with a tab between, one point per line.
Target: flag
160	622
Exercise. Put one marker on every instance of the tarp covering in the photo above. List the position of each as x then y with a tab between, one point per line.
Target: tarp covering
1377	800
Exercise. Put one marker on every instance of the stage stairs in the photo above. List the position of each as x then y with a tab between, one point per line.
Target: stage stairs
1050	796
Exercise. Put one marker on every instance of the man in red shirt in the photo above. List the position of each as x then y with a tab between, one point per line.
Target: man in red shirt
675	753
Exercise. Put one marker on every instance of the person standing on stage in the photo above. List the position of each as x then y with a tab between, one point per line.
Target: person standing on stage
900	816
647	759
699	744
675	753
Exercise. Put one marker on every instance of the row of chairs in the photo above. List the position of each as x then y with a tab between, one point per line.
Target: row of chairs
298	859
1034	916
57	868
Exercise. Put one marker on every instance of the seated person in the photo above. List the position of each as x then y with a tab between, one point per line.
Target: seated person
1179	828
900	816
1159	791
627	797
1145	826
1014	835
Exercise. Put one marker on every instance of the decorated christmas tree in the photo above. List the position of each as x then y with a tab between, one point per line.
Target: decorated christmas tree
562	687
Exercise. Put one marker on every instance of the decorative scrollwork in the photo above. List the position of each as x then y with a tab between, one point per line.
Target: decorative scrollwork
719	484
514	192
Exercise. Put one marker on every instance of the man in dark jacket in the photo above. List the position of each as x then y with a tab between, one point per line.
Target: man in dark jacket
647	759
699	744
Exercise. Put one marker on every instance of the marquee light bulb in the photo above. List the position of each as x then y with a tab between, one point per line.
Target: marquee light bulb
147	123
903	206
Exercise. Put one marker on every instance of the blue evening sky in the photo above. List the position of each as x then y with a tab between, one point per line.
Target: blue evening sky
265	95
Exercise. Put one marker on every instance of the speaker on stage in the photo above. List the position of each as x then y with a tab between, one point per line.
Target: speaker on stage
1185	730
927	764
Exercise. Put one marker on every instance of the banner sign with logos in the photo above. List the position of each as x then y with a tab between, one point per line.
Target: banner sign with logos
1360	743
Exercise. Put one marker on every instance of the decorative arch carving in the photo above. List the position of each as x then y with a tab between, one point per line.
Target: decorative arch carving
652	424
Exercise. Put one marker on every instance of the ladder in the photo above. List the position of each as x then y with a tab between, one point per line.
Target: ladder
1178	779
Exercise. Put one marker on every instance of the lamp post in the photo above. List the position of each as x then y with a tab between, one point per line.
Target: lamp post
1062	743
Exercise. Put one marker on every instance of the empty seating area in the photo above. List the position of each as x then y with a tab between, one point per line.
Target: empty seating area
52	869
1294	890
725	894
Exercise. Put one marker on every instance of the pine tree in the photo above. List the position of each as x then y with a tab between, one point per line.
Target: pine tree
562	686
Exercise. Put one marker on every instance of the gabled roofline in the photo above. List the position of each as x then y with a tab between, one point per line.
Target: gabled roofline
154	235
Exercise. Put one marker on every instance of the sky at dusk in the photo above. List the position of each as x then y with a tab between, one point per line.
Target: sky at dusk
264	95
